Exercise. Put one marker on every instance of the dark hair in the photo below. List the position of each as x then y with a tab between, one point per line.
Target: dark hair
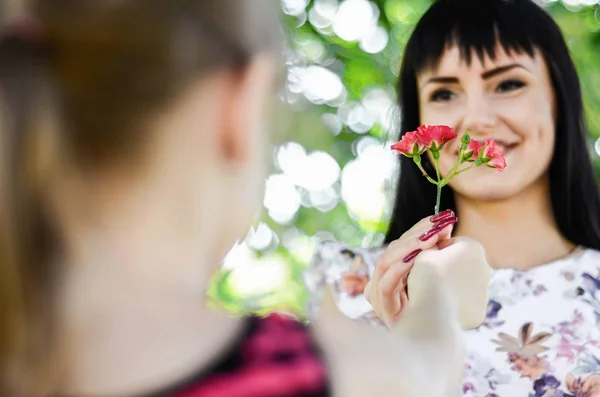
82	78
519	26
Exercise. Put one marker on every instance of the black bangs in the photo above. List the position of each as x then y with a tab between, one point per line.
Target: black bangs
475	27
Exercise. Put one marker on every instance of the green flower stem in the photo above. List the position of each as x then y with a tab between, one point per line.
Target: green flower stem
436	158
466	169
441	182
437	199
446	180
458	162
430	179
417	161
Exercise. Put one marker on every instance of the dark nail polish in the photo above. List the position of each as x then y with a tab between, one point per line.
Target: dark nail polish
412	255
445	222
438	227
429	234
442	215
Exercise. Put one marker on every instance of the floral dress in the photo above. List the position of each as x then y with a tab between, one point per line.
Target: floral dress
541	336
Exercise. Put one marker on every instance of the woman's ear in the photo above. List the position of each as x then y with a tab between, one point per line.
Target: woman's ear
247	101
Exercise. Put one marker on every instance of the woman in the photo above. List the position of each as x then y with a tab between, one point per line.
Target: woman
133	152
501	69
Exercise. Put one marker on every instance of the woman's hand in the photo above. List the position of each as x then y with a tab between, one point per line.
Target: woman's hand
463	272
386	291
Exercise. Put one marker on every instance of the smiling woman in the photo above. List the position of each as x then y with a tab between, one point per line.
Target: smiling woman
509	99
501	70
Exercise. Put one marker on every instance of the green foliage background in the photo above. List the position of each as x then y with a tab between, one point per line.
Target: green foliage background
302	122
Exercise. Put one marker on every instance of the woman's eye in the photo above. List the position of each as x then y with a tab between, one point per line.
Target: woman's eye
441	95
510	85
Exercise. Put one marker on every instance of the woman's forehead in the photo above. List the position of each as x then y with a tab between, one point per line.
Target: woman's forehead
453	61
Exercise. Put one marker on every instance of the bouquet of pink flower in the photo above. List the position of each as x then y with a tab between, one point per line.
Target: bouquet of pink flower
433	138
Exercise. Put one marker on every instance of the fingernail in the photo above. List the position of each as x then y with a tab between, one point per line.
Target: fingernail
438	228
445	222
412	255
442	215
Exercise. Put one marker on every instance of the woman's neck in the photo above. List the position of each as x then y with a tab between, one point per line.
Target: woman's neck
131	297
132	321
519	232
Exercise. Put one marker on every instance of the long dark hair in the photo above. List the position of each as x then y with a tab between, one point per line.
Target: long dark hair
85	77
519	26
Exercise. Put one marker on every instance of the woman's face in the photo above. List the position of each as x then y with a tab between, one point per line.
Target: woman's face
509	99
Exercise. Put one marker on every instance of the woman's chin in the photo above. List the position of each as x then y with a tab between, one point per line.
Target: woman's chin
484	184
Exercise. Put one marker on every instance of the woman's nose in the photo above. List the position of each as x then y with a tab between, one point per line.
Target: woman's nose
479	118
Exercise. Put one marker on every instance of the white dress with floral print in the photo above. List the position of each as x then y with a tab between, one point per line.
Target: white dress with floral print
541	337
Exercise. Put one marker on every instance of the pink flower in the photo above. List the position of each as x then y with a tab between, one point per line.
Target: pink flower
472	151
434	137
409	145
492	155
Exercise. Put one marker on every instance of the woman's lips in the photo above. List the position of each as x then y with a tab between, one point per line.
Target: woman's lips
505	147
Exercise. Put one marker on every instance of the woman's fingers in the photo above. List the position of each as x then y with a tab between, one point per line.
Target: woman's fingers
391	287
438	228
394	279
422	236
386	291
403	303
389	298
